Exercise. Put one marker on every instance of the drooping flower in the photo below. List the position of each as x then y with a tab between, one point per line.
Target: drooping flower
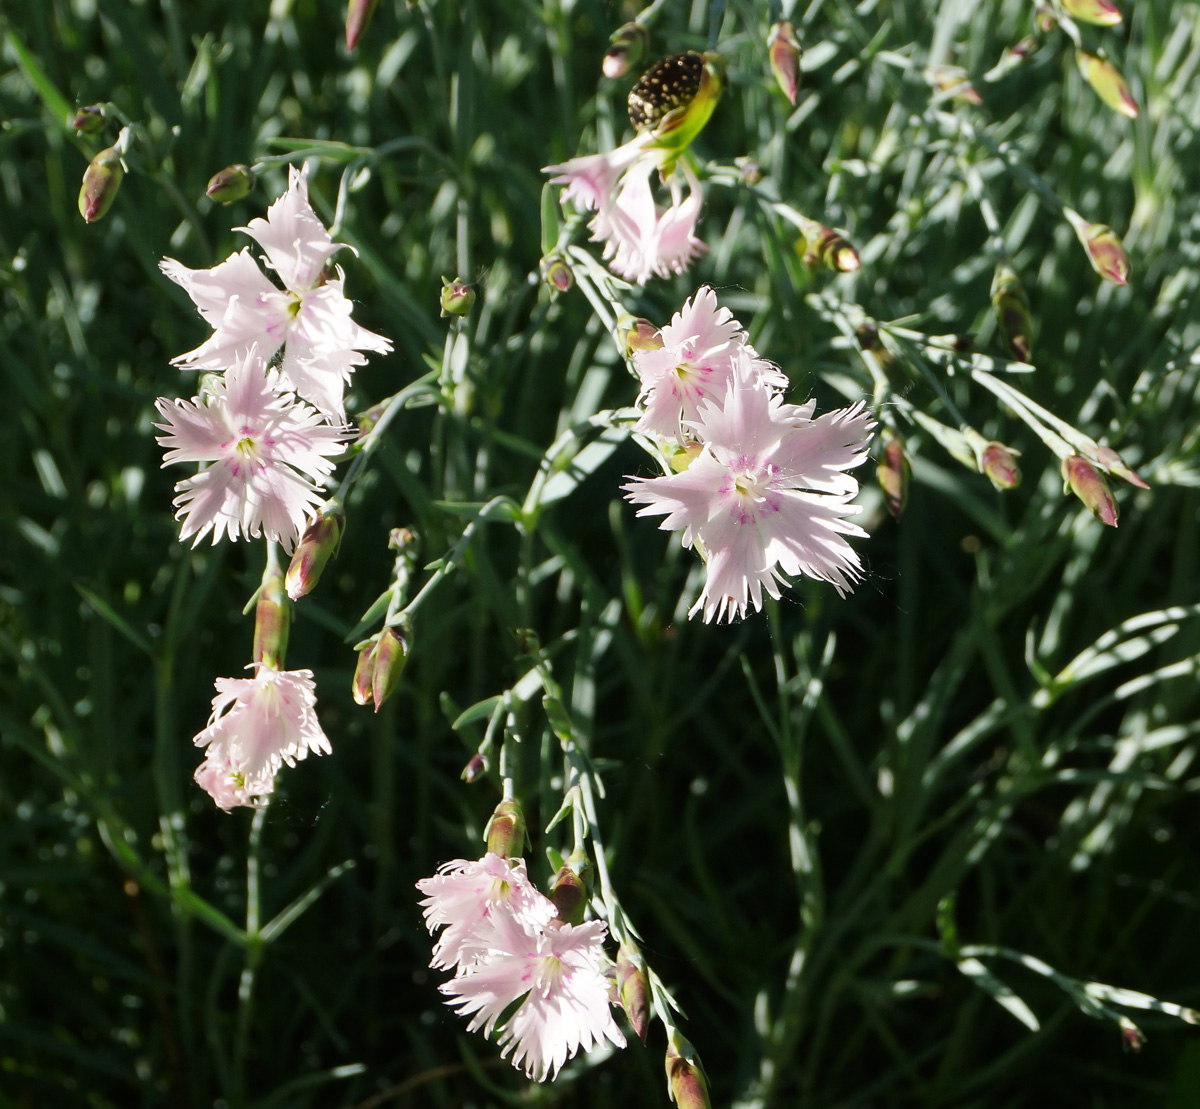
556	974
309	317
767	496
265	450
703	350
257	725
463	897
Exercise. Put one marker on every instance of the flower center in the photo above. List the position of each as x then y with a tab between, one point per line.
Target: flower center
548	971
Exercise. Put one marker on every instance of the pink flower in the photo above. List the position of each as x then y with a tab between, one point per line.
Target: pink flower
309	317
265	448
556	974
257	724
767	496
641	238
704	349
463	897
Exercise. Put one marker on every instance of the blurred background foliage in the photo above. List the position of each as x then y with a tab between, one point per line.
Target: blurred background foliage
845	828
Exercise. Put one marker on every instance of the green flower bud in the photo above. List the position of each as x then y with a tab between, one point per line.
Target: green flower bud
364	670
556	273
1012	312
823	246
391	654
1081	478
505	832
457	298
638	334
893	472
272	622
230	184
1107	83
952	80
317	545
358	15
475	769
1100	13
1104	249
101	180
89	120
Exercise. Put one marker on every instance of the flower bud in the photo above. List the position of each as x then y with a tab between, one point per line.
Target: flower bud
391	653
893	473
364	669
683	455
1107	83
628	43
457	298
230	184
88	120
999	464
1044	18
1100	13
556	273
1012	312
638	334
824	246
685	1078
783	48
749	171
1104	249
632	988
952	80
101	180
475	769
505	832
368	419
867	335
1115	464
569	891
317	545
272	621
358	15
1081	478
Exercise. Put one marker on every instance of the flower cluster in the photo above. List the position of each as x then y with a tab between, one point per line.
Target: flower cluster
269	425
763	490
541	981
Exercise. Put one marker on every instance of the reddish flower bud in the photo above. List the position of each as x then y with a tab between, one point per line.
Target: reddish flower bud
230	184
689	1089
391	654
475	769
1100	13
272	622
358	15
783	49
1081	478
556	273
893	474
1012	312
632	988
628	43
998	462
506	830
1115	464
88	120
364	669
101	180
1107	83
317	545
1105	252
569	891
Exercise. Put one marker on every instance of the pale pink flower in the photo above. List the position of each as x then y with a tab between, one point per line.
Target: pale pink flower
257	725
309	316
557	975
463	897
264	447
767	496
704	349
641	238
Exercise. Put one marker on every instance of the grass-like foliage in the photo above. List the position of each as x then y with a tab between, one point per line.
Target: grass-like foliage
895	847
